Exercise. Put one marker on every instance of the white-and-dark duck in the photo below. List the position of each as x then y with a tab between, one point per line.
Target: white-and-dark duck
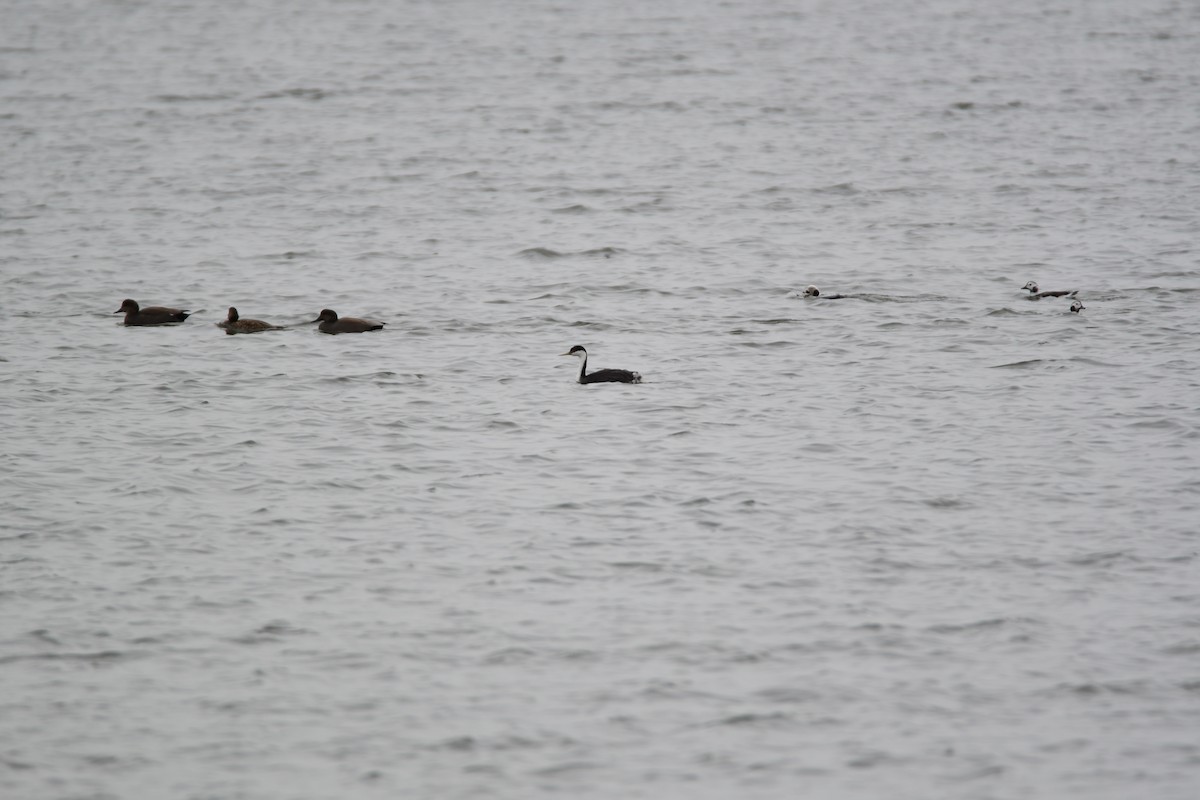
1077	306
601	375
1037	294
813	291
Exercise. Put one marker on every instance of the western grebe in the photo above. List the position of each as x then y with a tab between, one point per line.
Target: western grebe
1034	294
330	323
601	375
234	324
152	315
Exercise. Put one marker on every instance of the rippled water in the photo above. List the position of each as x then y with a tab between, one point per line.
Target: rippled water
932	540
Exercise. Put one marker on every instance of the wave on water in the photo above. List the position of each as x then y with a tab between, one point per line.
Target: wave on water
193	98
540	253
301	93
1058	363
549	254
841	189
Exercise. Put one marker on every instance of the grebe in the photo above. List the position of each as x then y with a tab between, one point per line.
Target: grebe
1034	294
234	325
330	323
601	375
813	291
153	315
1078	306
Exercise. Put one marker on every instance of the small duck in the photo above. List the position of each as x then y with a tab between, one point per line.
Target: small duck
152	315
234	324
1034	294
1077	306
813	291
331	323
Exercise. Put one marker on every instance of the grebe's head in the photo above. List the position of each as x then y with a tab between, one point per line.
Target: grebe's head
1077	306
1031	287
576	351
812	291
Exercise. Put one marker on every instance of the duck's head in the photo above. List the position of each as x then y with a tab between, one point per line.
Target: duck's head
1031	287
128	307
811	291
326	315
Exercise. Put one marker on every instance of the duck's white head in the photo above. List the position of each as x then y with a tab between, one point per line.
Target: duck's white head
1031	287
811	291
1077	306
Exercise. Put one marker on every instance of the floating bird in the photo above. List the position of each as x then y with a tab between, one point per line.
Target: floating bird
602	375
153	315
330	323
1034	294
813	291
1077	306
234	324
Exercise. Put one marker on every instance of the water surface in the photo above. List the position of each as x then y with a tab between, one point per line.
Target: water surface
932	540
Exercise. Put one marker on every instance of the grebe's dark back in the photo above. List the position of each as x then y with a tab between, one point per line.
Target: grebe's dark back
601	375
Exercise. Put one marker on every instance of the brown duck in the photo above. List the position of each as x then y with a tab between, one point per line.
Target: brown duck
152	315
234	324
331	323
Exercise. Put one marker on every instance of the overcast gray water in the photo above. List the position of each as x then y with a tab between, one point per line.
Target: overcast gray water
933	540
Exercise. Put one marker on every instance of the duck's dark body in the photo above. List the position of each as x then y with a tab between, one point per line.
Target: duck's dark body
234	324
332	323
151	315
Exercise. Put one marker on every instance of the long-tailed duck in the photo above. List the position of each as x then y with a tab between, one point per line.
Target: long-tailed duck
1035	294
813	291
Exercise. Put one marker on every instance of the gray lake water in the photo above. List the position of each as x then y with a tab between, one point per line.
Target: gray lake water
933	540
